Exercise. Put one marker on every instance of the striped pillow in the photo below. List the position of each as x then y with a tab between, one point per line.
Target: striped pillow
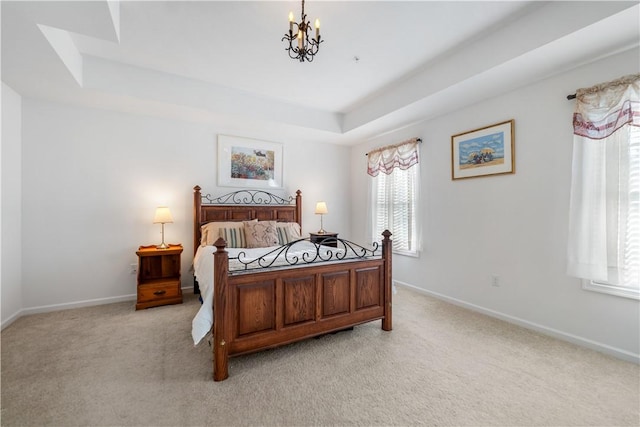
288	232
283	236
234	237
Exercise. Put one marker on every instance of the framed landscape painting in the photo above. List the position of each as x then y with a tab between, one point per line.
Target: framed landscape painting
249	163
482	152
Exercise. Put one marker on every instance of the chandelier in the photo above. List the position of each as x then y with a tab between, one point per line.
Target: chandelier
301	46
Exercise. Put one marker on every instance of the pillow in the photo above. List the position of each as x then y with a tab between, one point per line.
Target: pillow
234	236
260	234
288	232
283	238
210	232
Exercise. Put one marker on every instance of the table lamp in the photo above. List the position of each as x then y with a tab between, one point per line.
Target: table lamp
321	209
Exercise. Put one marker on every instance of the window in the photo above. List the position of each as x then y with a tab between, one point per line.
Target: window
604	222
395	208
394	195
625	281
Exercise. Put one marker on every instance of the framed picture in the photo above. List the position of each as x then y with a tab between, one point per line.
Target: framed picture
249	163
483	152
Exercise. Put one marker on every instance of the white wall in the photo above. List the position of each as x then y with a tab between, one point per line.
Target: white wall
514	226
92	180
11	252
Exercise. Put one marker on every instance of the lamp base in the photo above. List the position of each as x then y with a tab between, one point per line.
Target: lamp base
321	231
162	245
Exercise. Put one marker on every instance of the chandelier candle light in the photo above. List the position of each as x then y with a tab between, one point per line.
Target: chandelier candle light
321	209
305	46
162	216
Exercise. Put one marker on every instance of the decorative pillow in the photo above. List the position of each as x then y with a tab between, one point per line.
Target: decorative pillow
260	234
288	232
283	238
210	232
234	237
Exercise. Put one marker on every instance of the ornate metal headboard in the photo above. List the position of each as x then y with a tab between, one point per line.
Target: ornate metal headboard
243	205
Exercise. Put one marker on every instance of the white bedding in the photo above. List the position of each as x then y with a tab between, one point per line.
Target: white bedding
203	270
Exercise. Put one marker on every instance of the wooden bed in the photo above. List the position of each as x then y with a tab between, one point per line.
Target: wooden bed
266	308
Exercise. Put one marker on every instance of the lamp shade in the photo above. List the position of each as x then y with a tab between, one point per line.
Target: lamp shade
163	215
321	208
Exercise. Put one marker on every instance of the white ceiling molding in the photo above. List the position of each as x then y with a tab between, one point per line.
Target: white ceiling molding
490	53
179	59
120	79
114	12
61	42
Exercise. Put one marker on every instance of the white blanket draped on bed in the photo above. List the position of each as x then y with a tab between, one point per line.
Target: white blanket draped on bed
203	270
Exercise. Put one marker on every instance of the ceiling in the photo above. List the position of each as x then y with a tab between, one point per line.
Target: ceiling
383	65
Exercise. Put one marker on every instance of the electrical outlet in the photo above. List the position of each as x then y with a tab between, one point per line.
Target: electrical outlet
133	268
495	280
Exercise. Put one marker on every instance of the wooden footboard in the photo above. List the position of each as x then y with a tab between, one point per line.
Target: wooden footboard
270	308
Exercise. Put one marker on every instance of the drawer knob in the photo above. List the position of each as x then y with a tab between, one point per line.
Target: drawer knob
161	292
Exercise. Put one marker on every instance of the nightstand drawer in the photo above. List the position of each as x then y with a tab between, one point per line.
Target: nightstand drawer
161	293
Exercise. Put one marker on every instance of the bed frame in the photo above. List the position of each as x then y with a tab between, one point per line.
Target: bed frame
258	310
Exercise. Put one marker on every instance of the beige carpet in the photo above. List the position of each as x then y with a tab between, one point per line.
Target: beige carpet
441	366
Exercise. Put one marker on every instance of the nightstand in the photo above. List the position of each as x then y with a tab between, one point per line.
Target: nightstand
158	276
319	238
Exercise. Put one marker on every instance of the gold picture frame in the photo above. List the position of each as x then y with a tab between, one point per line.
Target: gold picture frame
484	152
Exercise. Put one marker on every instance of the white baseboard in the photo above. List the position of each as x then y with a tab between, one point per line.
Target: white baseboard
65	306
70	305
77	304
15	316
583	342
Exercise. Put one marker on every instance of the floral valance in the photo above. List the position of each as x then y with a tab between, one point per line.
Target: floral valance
603	109
385	159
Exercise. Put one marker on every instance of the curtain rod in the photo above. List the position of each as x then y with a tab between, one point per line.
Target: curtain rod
417	139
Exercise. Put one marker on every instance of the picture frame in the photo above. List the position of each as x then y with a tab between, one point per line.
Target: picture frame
249	163
484	152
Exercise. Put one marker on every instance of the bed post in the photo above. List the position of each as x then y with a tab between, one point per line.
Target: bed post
197	217
387	255
197	202
299	208
221	308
